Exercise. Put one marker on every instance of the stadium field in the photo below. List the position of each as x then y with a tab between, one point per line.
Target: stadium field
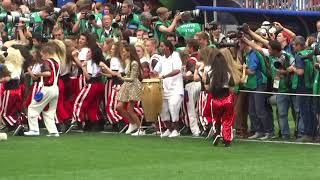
97	156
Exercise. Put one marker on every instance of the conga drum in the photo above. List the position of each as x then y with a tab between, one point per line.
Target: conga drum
151	99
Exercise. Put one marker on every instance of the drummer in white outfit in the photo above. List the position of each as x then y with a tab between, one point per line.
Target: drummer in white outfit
169	69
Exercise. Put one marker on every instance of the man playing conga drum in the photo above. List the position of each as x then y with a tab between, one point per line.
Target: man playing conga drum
169	69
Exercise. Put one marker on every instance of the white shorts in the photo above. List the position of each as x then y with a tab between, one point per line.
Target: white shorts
171	106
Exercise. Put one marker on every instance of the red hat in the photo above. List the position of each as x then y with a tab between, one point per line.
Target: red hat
286	35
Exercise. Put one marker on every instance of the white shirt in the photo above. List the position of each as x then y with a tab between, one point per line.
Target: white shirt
115	65
144	59
171	85
82	56
36	68
156	57
93	68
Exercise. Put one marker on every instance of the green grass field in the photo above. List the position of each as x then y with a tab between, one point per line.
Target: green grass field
107	156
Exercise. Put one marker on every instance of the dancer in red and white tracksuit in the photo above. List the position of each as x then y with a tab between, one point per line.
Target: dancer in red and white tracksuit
205	99
11	100
112	85
86	107
192	89
220	80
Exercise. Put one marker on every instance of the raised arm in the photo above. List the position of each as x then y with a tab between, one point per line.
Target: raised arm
292	34
252	45
256	37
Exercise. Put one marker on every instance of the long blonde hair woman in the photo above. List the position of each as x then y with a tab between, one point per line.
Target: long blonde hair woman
202	68
144	58
234	66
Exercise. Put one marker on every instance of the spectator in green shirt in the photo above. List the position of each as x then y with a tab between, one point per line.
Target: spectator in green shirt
131	19
146	22
39	17
163	25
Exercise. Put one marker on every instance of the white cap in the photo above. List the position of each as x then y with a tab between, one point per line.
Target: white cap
265	25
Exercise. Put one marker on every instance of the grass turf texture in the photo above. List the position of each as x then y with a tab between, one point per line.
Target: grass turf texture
107	156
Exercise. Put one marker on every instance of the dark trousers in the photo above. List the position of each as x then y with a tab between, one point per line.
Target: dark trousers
260	111
307	115
241	112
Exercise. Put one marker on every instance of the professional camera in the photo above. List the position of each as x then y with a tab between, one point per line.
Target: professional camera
117	25
193	13
279	63
89	16
117	6
243	28
14	19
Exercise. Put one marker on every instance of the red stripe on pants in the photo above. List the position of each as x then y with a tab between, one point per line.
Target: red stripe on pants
87	102
205	108
111	105
11	105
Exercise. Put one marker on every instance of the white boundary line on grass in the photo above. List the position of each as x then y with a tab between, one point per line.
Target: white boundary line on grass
244	140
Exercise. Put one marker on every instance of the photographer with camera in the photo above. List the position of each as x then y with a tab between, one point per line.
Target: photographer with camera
284	35
86	20
187	29
164	25
216	36
302	83
128	17
39	19
65	22
280	61
6	7
260	112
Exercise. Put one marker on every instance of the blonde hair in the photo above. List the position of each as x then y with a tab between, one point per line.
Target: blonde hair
141	45
234	66
57	50
206	53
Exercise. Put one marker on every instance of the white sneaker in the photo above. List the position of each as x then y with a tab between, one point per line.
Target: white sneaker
174	133
140	132
32	133
196	134
256	136
53	135
166	133
131	128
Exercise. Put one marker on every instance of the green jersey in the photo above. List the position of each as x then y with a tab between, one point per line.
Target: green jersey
144	28
288	60
252	78
308	70
161	35
188	30
104	34
8	26
134	22
85	26
37	22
